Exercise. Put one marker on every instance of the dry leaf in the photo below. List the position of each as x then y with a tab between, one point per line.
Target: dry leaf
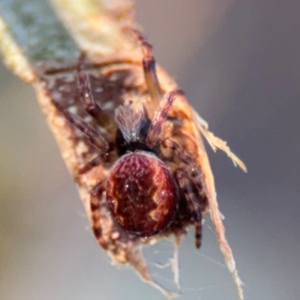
41	41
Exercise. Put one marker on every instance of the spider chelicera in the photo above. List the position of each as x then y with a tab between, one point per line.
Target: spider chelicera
152	176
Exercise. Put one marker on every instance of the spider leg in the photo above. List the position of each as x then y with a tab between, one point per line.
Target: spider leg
107	156
96	194
93	163
193	203
186	180
151	79
87	97
193	172
159	118
94	136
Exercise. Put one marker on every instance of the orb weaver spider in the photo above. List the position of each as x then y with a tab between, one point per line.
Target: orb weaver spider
151	184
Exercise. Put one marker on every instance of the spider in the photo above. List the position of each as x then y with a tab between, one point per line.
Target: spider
150	177
153	185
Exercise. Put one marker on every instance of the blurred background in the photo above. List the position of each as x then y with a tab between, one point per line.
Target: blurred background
238	62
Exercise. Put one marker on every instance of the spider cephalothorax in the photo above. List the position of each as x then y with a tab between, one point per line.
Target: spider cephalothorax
143	188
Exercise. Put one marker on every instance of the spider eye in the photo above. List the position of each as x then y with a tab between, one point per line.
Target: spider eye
141	194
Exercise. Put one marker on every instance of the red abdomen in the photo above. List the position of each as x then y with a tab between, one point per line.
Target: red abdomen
141	193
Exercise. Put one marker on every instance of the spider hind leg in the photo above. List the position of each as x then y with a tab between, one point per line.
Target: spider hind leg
189	182
95	202
194	204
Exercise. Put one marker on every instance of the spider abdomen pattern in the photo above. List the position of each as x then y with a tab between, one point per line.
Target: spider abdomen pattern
141	193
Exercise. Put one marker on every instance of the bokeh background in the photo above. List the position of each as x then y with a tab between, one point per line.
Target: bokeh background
239	64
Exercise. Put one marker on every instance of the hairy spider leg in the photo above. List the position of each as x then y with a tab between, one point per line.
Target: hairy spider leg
94	136
159	118
193	203
87	97
149	68
193	176
96	195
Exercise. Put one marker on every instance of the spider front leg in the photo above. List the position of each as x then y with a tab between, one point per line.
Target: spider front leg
194	205
149	68
159	118
87	97
94	136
